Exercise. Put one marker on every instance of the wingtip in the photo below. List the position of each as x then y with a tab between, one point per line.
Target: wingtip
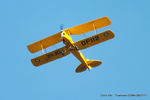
108	20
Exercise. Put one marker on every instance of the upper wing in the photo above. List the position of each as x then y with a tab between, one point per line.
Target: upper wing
93	40
44	43
89	26
48	57
80	29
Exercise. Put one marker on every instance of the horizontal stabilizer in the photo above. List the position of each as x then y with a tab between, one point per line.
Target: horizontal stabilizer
48	57
93	40
81	68
93	63
45	43
90	63
89	26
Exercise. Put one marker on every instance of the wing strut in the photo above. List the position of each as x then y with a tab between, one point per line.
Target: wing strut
94	29
43	50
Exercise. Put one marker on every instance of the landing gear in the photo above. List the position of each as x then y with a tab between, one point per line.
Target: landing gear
63	40
76	48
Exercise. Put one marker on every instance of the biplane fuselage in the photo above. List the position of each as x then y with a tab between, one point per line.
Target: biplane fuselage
67	40
71	46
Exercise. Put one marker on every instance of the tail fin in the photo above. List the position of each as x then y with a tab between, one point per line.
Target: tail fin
91	63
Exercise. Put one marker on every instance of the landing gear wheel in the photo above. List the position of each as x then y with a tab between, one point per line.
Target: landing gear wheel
63	40
76	48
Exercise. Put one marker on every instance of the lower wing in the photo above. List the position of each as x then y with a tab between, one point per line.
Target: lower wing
48	57
93	40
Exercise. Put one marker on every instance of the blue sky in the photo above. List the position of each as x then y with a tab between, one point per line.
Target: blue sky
125	68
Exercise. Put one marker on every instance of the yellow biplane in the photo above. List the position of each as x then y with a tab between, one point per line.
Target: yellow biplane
71	46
